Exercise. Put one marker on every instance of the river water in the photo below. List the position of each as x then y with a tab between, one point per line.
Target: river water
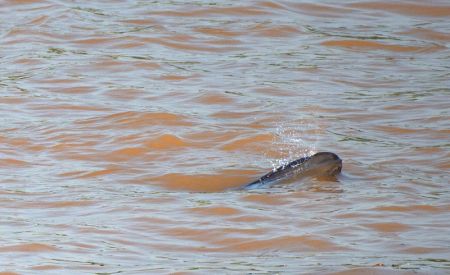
124	125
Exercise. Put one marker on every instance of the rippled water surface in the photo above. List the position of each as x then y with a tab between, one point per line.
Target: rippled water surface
124	125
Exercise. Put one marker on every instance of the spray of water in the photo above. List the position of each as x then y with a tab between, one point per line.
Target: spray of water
290	142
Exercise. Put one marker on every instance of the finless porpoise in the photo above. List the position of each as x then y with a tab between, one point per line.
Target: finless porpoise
323	164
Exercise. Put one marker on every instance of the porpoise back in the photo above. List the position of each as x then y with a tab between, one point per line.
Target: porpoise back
320	164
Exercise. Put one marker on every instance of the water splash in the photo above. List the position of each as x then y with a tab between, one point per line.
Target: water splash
290	143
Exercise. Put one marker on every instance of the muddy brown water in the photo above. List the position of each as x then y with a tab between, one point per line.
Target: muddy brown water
123	124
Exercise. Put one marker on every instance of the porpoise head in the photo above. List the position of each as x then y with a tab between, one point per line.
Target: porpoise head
325	164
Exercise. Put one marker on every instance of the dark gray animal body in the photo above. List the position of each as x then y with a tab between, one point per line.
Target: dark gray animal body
320	164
